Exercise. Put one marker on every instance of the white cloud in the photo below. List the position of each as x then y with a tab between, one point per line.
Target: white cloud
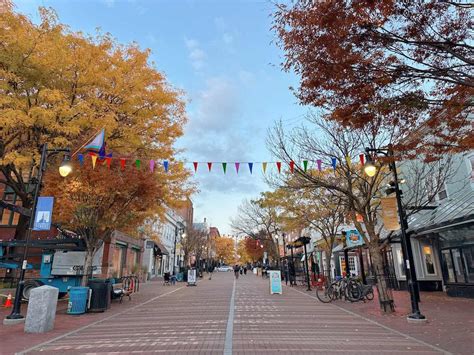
197	55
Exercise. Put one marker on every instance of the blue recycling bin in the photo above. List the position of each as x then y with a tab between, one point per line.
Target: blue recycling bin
77	300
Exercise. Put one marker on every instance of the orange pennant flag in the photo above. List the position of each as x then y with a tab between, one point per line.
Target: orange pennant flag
94	160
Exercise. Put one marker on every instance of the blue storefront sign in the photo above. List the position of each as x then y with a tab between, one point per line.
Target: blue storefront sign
275	282
353	238
44	214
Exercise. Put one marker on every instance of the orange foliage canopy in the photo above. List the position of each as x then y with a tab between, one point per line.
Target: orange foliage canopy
403	63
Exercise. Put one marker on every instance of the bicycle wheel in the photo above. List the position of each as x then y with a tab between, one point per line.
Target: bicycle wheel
324	293
353	291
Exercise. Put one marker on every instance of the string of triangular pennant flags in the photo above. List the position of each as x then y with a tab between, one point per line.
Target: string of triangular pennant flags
320	165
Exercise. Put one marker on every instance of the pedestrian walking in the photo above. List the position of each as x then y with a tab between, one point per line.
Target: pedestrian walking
245	271
210	270
236	271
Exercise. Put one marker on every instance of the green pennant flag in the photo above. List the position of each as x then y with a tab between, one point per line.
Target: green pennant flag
305	165
224	167
138	163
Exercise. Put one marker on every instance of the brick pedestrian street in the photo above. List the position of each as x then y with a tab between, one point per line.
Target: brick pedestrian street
223	316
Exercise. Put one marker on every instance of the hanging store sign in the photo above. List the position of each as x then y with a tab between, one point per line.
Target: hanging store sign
353	238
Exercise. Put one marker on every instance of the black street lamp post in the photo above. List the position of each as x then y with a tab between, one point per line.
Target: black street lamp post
306	240
370	170
64	170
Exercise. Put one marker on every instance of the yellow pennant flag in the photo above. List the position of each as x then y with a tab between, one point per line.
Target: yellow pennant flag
264	166
94	160
348	160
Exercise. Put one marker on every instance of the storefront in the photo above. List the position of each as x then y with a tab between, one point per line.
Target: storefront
443	247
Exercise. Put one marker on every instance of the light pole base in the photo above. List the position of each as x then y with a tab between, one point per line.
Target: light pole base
416	318
13	321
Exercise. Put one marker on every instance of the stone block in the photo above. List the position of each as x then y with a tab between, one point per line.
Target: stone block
41	309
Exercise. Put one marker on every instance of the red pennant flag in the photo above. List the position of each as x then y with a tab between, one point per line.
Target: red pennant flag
108	161
292	166
279	166
362	159
195	166
122	163
209	165
237	166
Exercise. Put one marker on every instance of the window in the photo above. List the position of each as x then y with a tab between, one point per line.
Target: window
459	264
448	265
468	254
400	263
428	261
7	217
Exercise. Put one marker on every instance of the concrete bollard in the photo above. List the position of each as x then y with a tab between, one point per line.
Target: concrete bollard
41	309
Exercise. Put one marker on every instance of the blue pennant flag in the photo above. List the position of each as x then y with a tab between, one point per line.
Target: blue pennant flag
165	164
334	162
80	157
250	167
97	143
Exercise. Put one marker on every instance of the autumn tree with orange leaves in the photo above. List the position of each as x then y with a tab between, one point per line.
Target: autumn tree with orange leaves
404	63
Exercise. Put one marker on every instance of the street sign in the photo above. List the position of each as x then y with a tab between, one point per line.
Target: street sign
192	277
44	213
275	282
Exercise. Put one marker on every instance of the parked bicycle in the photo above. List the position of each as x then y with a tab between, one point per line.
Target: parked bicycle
347	288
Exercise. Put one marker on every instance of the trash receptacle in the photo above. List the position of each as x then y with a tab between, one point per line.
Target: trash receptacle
100	295
77	300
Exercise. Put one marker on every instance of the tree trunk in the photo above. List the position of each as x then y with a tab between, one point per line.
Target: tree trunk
87	267
385	294
327	272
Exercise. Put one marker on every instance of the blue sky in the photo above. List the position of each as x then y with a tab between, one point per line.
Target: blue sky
221	54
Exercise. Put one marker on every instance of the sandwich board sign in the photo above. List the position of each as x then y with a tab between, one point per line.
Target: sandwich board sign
192	277
275	282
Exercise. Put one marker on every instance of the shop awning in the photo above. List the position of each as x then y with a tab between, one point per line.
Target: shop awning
456	210
160	249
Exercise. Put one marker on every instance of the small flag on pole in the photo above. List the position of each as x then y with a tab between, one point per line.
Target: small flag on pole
237	166
224	167
152	165
138	163
292	166
209	166
96	144
166	165
305	165
80	157
195	164
264	167
334	163
250	167
122	163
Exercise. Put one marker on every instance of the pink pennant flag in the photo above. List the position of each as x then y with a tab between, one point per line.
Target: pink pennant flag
319	164
237	166
152	165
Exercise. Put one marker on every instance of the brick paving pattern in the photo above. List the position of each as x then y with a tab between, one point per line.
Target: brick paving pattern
195	320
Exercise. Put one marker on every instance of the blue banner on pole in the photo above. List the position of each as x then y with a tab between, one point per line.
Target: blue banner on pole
353	238
44	214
